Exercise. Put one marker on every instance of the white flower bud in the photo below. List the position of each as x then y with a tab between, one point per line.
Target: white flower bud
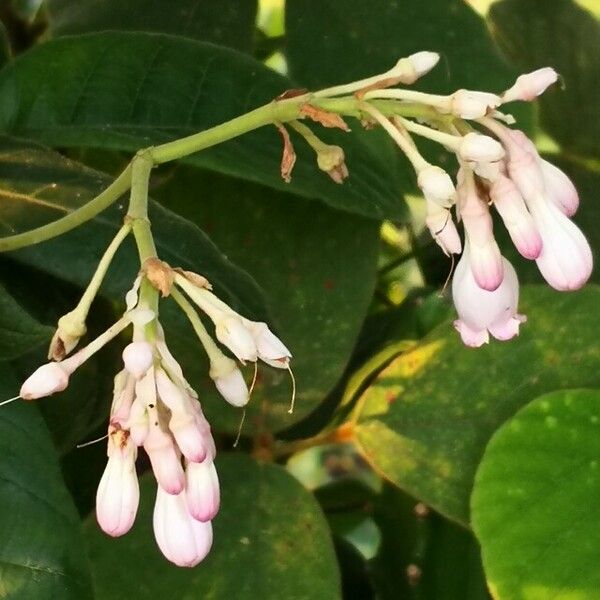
45	381
437	186
231	332
469	104
233	388
422	62
480	148
138	358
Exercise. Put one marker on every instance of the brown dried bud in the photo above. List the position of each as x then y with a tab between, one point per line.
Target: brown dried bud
160	275
288	158
325	118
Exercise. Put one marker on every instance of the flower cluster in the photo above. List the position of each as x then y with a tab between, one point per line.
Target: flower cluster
156	409
498	168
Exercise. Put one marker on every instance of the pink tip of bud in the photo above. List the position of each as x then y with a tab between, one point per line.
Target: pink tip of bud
530	85
138	358
202	490
189	437
118	494
182	539
45	381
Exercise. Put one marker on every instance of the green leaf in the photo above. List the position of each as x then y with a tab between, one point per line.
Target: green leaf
318	281
446	554
271	541
535	501
329	42
130	90
38	185
19	332
232	23
42	553
563	35
425	420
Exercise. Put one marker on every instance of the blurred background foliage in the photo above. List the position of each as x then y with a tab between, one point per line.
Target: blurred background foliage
364	492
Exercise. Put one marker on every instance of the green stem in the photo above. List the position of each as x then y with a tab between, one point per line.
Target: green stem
84	304
88	211
279	111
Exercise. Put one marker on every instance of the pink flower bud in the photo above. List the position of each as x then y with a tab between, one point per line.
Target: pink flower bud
182	539
442	228
138	358
482	312
233	388
566	260
469	104
530	85
437	186
165	461
118	494
231	332
484	254
560	188
202	490
45	381
519	223
475	147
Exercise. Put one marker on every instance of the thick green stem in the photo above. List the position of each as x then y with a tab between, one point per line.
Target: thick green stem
279	111
88	211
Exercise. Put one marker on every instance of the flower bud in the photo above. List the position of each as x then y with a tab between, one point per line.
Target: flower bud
437	186
421	63
481	311
231	332
166	464
233	388
331	159
118	494
45	381
138	422
269	347
202	490
484	254
468	104
123	395
442	228
560	188
476	147
517	220
182	539
138	358
530	85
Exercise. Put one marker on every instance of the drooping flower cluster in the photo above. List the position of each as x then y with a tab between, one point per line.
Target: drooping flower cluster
156	409
498	168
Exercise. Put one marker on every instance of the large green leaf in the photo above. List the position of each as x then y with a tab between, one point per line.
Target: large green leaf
270	541
425	420
318	281
131	90
329	42
228	23
19	332
537	33
535	501
38	185
42	554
